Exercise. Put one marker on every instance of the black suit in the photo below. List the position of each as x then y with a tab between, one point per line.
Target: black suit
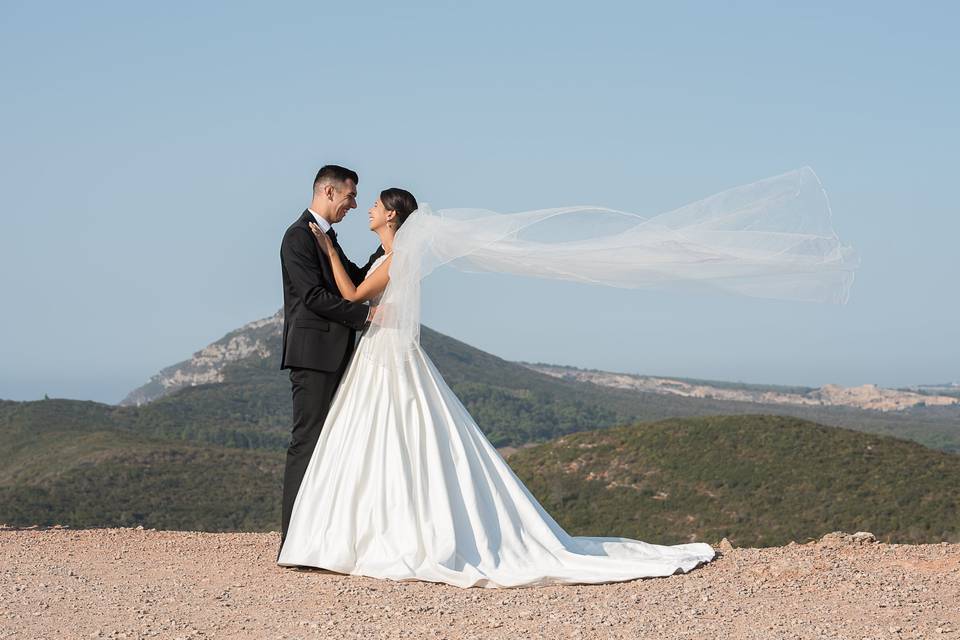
319	332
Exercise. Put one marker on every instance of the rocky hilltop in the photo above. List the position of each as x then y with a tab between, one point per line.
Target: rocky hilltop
260	340
867	396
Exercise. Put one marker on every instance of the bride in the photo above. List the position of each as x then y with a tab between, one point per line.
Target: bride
403	484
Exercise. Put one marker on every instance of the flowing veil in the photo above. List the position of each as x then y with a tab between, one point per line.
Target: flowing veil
771	238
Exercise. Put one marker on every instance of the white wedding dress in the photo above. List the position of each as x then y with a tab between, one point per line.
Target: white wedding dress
403	485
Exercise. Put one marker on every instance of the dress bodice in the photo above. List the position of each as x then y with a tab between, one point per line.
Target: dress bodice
373	267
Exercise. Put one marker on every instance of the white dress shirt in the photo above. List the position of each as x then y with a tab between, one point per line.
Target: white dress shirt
323	224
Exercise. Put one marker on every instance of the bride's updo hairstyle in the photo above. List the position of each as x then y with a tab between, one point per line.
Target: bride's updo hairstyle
399	200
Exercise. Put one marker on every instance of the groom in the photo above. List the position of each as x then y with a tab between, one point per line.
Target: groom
319	326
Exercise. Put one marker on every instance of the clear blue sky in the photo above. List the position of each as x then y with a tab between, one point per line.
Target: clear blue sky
153	153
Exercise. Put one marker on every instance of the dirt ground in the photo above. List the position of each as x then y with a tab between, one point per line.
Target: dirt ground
135	583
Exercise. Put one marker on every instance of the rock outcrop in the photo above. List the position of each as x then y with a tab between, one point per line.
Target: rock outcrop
259	339
867	396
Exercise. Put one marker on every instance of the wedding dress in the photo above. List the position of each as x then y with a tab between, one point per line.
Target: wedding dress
403	484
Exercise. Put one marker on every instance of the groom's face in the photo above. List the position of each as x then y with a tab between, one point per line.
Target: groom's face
344	199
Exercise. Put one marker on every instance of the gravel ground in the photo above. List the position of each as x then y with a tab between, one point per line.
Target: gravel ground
135	583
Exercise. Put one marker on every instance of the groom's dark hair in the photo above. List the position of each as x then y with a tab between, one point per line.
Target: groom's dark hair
334	173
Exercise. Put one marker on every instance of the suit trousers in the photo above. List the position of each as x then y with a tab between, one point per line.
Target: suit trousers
312	393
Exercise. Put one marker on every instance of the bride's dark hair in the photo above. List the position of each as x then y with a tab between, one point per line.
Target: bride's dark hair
399	200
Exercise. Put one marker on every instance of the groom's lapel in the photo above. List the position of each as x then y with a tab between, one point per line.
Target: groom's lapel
306	219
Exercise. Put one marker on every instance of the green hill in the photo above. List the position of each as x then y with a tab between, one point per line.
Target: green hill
66	462
758	480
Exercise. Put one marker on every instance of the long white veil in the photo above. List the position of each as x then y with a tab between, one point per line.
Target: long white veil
772	238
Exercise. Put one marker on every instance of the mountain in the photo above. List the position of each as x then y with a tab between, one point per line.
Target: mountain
258	340
756	480
231	392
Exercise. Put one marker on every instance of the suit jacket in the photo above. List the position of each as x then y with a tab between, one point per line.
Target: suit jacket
319	326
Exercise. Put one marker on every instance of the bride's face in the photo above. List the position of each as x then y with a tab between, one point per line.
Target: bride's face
380	216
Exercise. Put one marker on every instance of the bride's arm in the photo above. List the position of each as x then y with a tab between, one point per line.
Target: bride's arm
367	289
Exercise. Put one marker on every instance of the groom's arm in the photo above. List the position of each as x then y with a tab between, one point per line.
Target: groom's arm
300	260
